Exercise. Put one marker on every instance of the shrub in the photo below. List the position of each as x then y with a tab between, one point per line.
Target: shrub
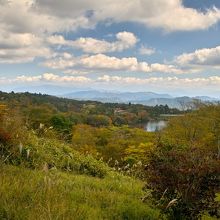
51	153
185	182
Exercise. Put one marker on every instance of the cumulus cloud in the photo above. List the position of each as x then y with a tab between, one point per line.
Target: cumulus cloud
209	85
26	24
155	81
23	30
202	57
146	50
51	77
21	47
27	29
170	15
52	16
172	81
125	40
62	61
101	62
23	17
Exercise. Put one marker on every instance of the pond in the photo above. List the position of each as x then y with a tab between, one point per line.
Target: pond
153	126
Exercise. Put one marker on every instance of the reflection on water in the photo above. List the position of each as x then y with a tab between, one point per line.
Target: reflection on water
153	126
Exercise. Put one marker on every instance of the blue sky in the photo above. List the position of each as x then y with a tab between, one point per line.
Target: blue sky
170	46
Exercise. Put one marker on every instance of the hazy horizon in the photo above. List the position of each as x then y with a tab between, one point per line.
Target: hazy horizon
58	90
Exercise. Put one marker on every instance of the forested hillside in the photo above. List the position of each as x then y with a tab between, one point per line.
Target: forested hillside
67	159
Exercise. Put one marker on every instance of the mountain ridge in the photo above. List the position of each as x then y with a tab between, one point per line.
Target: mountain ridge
144	98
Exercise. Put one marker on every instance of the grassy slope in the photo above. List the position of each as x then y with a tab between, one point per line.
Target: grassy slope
35	194
53	181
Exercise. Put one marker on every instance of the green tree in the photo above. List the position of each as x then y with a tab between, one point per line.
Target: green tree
84	137
99	120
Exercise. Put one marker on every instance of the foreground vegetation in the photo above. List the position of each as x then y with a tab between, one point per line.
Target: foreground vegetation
63	159
28	194
44	178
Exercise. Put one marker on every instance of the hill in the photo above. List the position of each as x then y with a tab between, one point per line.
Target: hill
43	176
53	181
68	159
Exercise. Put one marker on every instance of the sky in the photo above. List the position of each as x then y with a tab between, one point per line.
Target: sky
162	46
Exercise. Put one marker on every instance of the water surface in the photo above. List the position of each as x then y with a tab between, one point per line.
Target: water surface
153	126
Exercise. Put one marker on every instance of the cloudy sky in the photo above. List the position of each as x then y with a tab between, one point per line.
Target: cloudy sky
166	46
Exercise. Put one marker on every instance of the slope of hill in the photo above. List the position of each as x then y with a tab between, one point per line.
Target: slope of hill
44	178
35	194
66	170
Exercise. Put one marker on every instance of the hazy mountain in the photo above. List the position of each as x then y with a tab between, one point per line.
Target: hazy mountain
124	97
207	98
178	102
145	98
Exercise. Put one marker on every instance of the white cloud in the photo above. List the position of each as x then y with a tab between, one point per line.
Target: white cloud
23	17
178	18
202	57
101	62
63	61
209	85
46	16
146	50
25	24
125	40
91	45
153	81
180	86
23	30
24	78
169	81
21	47
68	79
57	39
169	15
28	26
50	77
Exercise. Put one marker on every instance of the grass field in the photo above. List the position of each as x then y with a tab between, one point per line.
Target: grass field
31	194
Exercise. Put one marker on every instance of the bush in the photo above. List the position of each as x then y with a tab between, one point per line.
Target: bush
46	153
184	168
184	182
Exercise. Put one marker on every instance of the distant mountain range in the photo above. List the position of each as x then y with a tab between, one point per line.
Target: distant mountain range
124	97
144	98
